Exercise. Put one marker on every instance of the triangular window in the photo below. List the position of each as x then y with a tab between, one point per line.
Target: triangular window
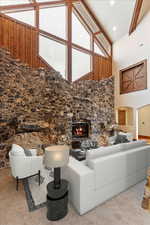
53	53
25	17
80	35
98	50
81	64
67	36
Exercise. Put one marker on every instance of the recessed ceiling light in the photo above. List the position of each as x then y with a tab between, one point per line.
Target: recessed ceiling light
114	28
112	2
141	45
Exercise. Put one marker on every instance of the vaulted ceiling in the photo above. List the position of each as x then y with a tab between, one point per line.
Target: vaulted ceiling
115	15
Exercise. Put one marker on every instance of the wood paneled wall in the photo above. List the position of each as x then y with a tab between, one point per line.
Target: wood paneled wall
102	69
21	41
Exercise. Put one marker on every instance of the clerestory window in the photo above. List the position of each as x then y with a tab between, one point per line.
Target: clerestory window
69	37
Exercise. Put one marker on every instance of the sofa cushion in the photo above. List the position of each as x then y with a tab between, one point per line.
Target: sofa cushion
102	151
17	150
133	144
114	167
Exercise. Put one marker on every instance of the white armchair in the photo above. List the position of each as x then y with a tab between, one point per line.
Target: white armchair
23	166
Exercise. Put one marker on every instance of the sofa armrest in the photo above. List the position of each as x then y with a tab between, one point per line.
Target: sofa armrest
81	180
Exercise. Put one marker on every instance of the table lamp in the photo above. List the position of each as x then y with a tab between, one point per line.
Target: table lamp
56	156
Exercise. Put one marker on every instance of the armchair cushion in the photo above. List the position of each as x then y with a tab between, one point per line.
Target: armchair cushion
17	150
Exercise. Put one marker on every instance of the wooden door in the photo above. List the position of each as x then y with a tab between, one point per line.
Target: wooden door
121	117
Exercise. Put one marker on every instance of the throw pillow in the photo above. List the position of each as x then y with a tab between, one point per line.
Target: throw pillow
121	139
88	144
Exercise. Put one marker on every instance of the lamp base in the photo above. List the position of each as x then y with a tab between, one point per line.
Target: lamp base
57	179
57	201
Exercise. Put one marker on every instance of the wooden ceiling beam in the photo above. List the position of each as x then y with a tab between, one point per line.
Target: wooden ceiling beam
52	37
136	13
96	33
34	3
96	21
21	6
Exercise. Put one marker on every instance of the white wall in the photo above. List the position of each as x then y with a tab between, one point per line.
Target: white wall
144	121
128	51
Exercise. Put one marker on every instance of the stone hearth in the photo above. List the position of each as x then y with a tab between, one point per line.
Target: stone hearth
38	106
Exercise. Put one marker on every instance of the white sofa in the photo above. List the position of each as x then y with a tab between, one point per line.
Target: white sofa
105	173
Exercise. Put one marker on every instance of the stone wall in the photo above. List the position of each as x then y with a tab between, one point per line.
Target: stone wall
37	106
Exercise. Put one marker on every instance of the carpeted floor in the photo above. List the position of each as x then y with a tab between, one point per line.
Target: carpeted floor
35	194
125	209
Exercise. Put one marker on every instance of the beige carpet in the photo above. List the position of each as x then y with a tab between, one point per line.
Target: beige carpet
125	209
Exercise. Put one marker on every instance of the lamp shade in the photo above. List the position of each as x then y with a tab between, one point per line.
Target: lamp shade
56	156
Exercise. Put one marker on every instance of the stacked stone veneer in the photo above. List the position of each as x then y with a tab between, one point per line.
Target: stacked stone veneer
37	106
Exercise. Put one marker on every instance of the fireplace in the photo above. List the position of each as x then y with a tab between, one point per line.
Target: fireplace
80	129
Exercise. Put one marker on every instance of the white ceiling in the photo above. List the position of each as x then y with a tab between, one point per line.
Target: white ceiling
115	18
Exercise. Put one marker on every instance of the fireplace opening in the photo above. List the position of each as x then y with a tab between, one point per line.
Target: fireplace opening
80	129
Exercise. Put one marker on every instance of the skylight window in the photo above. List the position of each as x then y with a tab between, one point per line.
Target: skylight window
101	38
86	16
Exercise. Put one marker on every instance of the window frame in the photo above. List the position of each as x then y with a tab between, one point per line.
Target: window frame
70	9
